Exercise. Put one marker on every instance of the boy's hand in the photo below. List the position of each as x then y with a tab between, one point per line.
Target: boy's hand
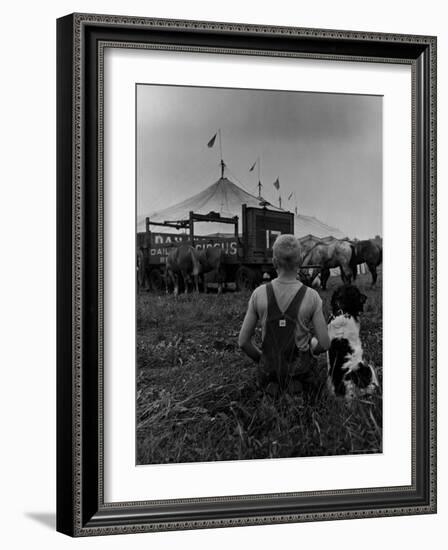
315	349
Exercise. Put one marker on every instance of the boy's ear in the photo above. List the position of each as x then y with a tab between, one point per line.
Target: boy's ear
363	298
274	263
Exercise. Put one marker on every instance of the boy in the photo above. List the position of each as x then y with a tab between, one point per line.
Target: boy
289	312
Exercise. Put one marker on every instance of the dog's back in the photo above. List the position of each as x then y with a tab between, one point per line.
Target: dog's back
348	374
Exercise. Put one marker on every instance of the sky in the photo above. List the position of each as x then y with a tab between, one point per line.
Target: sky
326	148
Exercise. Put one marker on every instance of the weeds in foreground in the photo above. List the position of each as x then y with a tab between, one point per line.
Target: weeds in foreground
197	399
230	422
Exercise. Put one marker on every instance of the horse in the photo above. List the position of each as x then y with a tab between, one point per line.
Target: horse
211	261
191	264
141	266
369	252
182	261
323	257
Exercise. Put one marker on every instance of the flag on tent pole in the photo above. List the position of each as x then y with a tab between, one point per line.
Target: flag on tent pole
276	184
212	141
253	166
290	195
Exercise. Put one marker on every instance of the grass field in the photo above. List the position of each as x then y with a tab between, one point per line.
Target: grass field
197	399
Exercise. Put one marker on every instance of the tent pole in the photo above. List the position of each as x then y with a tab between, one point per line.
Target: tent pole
220	141
220	150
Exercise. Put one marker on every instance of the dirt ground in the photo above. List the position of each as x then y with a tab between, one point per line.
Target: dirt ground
197	397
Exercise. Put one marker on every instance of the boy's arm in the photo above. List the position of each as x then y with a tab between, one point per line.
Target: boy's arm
246	333
321	332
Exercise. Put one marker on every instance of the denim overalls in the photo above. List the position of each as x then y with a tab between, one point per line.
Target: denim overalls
281	361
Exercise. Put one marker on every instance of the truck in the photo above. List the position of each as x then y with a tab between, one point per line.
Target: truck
247	248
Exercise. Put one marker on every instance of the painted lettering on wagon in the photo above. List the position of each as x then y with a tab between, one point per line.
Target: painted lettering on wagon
161	244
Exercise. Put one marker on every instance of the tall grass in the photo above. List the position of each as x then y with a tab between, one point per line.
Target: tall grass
197	399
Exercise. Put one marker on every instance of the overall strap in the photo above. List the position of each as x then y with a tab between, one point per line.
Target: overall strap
273	309
294	306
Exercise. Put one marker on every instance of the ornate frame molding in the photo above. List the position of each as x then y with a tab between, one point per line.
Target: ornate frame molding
82	510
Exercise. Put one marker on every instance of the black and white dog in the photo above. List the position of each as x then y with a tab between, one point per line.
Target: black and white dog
348	374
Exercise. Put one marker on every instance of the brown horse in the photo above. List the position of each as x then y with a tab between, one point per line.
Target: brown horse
211	261
141	265
189	263
369	252
324	256
182	261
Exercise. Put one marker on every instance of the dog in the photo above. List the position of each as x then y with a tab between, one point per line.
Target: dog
348	374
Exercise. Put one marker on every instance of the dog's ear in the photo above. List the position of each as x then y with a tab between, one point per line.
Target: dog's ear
336	298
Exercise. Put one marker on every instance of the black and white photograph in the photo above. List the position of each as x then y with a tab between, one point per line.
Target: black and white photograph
259	274
220	296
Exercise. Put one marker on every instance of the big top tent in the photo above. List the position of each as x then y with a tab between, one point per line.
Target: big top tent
226	198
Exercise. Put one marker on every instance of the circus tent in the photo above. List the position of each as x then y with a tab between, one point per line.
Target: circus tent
223	196
226	198
305	226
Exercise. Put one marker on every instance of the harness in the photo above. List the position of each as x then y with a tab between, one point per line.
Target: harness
279	350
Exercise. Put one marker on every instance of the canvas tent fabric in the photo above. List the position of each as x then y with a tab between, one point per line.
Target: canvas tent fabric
223	196
309	225
226	198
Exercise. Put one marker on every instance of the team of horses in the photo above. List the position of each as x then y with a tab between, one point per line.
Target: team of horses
319	257
187	266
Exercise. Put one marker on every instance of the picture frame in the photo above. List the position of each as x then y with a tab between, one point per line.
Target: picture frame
81	507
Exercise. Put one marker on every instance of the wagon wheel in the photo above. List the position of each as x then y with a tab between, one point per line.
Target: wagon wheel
156	279
245	278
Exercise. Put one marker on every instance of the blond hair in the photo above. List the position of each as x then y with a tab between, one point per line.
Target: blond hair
287	252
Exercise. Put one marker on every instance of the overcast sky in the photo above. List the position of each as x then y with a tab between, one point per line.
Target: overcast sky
325	147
